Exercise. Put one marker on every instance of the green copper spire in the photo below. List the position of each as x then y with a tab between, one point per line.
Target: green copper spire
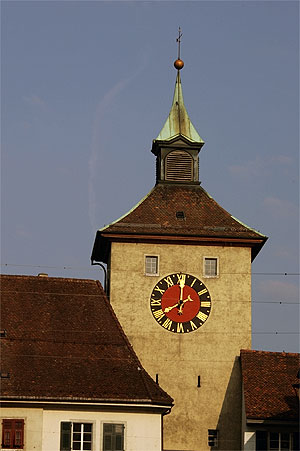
178	121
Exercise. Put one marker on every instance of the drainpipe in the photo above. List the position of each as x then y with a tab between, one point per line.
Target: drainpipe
105	274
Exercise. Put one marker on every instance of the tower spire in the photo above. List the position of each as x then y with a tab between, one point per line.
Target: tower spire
178	144
178	121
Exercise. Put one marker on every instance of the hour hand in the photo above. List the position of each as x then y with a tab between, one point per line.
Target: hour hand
189	299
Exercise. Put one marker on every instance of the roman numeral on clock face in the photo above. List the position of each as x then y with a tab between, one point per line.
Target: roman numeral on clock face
169	281
159	290
181	278
167	324
158	314
156	302
202	316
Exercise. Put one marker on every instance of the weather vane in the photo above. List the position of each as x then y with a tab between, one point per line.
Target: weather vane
179	63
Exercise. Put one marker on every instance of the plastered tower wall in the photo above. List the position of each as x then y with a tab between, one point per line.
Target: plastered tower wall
210	352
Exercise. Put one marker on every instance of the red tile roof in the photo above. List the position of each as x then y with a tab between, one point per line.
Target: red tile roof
64	342
155	216
268	379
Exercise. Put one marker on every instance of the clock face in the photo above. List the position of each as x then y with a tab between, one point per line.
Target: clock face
180	303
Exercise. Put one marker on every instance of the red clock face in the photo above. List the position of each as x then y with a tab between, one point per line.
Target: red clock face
180	303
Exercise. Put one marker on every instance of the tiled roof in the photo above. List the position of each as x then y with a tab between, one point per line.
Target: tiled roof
268	379
156	215
64	342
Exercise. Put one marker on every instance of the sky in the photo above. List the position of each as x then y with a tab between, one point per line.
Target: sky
86	87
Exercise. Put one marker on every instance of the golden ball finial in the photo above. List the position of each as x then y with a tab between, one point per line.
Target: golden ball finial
178	64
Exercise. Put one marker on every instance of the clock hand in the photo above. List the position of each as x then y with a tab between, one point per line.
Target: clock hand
181	301
189	299
168	309
181	284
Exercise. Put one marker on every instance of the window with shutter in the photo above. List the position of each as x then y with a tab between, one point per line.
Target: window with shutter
12	434
75	436
113	437
65	436
279	441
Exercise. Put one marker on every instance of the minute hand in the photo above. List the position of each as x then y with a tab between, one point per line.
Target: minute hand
168	309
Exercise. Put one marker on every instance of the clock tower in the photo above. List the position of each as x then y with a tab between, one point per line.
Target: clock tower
179	280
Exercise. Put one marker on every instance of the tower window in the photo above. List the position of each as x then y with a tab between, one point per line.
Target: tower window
211	267
151	265
179	166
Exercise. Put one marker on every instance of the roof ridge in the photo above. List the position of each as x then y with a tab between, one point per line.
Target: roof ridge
260	351
37	277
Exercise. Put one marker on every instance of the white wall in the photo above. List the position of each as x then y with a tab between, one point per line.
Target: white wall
249	441
33	422
142	431
42	427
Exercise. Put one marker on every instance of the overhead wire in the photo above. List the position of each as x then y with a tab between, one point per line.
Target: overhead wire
88	268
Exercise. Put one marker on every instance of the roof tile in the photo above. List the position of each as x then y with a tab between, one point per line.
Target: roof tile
268	379
64	342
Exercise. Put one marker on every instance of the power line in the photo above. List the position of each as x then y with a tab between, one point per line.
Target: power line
88	268
101	294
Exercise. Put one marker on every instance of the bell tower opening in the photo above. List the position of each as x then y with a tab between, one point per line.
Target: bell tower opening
179	166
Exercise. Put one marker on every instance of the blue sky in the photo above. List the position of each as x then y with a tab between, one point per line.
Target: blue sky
86	86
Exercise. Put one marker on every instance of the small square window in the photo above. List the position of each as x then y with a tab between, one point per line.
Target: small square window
151	265
210	267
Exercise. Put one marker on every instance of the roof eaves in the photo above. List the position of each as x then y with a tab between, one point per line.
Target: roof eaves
250	228
74	399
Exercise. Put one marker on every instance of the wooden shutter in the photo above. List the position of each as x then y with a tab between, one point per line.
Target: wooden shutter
113	437
12	434
19	434
65	436
261	440
7	434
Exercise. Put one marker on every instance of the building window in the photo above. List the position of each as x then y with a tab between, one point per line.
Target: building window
113	437
75	436
211	267
12	434
277	441
151	265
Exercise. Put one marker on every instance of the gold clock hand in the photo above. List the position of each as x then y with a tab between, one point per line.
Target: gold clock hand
181	284
189	299
168	309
